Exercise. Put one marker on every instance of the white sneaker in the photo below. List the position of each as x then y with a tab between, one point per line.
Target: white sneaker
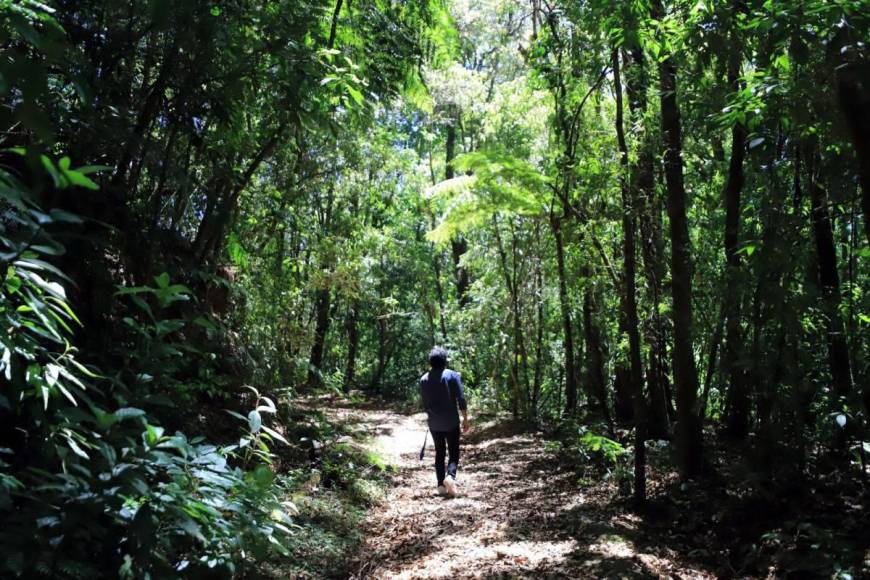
442	491
450	484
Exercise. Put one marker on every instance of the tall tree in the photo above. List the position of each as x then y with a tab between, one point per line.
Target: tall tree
738	403
689	445
828	276
565	309
629	290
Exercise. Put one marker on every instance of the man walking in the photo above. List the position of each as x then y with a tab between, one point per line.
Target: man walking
441	389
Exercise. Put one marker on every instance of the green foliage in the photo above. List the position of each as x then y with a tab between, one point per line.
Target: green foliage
263	201
255	447
609	449
160	346
89	483
496	182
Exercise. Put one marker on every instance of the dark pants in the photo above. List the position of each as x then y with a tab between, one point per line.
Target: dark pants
450	440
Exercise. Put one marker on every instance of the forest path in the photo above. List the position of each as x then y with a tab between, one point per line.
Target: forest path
518	515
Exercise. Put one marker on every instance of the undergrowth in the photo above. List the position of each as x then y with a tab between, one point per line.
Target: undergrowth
330	498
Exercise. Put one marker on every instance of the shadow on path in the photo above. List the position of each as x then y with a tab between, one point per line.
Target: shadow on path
518	514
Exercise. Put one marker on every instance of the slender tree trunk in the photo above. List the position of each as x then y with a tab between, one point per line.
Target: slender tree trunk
182	197
623	407
439	291
383	355
157	196
150	109
458	245
436	265
334	26
829	279
768	304
221	209
352	345
518	319
689	445
570	376
539	342
518	357
315	361
629	299
715	340
631	323
594	357
854	94
737	400
658	419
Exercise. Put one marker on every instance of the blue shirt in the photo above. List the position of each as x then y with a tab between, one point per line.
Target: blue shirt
442	393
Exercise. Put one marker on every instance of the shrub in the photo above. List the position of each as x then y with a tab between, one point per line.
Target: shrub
90	485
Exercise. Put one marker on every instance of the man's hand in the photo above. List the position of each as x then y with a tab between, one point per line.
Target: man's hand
465	424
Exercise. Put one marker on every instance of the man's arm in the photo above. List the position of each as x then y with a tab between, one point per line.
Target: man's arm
423	398
460	400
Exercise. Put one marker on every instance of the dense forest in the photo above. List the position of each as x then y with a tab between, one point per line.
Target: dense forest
641	229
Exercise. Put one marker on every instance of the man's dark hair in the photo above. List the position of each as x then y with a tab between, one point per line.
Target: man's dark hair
438	358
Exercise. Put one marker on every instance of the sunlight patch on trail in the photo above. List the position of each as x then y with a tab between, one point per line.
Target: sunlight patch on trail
518	516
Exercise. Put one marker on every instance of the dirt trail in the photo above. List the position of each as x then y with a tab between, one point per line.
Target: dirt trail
518	515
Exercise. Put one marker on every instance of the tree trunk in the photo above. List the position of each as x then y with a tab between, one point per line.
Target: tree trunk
458	245
594	358
383	355
221	209
623	406
829	279
321	307
352	345
518	361
436	265
334	26
629	299
689	445
570	376
539	341
854	94
715	340
737	400
439	291
649	206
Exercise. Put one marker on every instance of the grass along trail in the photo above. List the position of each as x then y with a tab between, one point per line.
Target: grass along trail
518	514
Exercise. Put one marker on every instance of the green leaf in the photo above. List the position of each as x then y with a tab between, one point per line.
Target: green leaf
76	449
263	476
152	435
125	413
276	435
80	179
187	524
269	407
237	415
59	181
748	249
356	95
255	421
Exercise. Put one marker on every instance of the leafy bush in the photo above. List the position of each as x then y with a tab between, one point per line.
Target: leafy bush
89	484
159	345
607	449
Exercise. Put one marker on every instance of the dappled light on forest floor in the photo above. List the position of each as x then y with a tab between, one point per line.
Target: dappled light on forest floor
518	514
